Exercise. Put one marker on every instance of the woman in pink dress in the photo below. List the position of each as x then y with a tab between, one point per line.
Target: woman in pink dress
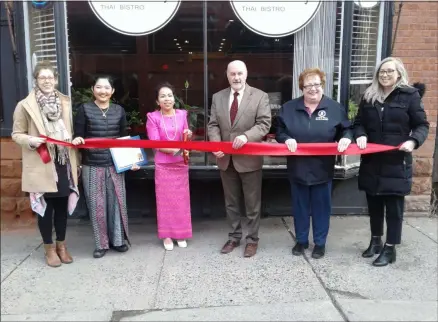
171	174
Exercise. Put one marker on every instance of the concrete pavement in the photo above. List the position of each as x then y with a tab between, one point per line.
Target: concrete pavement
200	284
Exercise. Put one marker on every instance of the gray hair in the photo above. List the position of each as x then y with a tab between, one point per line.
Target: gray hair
375	91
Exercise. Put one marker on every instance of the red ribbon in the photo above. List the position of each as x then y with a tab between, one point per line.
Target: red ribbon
251	148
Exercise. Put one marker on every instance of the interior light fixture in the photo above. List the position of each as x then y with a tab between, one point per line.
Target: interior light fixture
175	39
223	39
186	41
177	44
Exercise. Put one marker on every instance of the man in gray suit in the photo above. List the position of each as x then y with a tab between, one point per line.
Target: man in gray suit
240	114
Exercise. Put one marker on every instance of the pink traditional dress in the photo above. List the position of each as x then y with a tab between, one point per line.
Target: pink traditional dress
171	177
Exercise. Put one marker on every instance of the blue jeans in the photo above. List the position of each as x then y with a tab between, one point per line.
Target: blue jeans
312	201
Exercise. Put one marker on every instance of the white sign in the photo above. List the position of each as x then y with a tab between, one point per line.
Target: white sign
275	18
366	4
135	18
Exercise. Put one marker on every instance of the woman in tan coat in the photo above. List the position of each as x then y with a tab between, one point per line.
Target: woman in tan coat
52	186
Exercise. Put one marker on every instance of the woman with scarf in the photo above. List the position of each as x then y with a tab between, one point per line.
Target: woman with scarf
104	188
52	186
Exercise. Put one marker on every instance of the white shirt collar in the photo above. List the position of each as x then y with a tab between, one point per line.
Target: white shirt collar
239	91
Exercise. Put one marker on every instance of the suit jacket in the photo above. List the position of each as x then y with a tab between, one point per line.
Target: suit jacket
253	119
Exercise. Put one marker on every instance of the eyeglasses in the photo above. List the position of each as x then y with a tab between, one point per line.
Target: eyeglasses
312	85
388	72
43	79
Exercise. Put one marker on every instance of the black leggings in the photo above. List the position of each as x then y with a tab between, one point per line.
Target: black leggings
57	205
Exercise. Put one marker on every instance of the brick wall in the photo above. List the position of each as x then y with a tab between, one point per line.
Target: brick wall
15	206
416	43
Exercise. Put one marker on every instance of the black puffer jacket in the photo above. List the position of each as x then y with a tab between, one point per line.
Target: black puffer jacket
400	118
90	123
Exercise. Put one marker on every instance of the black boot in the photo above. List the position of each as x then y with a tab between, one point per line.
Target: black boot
298	249
318	252
375	247
98	253
387	256
123	248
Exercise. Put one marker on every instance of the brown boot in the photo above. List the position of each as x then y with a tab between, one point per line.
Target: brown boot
63	253
52	258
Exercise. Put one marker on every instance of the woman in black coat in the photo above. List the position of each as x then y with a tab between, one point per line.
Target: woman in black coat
390	113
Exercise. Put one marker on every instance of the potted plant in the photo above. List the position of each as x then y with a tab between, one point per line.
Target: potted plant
80	96
192	112
135	123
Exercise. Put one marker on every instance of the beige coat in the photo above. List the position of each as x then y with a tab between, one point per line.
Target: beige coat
37	176
253	119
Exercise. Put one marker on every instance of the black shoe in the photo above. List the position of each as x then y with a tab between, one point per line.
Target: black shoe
318	252
121	249
298	249
374	248
387	256
98	253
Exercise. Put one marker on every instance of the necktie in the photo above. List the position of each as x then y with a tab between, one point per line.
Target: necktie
233	109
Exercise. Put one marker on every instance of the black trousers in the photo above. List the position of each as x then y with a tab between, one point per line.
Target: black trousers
56	211
394	206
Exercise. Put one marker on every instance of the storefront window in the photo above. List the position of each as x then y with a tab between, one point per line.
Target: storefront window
366	52
175	52
139	64
269	61
40	34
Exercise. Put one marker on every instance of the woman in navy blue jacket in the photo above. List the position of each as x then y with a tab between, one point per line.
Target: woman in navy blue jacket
312	118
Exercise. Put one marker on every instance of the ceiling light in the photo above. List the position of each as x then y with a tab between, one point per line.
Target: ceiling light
174	39
177	44
186	41
222	43
220	49
190	52
223	39
231	20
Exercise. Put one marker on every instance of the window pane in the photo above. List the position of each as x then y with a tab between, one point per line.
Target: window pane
139	64
269	61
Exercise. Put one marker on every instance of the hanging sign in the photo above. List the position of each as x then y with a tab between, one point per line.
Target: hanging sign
275	18
135	18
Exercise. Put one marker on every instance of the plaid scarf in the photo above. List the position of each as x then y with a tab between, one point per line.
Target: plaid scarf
51	111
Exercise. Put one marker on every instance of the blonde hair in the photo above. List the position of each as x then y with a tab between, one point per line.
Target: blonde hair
375	91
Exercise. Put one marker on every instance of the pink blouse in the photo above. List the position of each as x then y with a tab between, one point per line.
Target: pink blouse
163	128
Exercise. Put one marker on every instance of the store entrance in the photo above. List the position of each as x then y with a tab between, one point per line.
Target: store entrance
191	52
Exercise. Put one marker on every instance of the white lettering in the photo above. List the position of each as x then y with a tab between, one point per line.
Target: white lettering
273	9
247	8
131	7
107	7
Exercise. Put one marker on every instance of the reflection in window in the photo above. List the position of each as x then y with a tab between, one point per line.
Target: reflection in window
139	64
269	60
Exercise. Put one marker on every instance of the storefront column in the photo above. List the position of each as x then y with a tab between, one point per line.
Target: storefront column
62	55
346	43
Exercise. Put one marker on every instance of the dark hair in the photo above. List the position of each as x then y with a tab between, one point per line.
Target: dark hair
107	77
162	85
44	65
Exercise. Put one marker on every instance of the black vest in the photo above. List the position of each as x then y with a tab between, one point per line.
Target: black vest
112	125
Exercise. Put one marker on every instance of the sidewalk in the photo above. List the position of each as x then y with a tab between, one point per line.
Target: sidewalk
200	284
